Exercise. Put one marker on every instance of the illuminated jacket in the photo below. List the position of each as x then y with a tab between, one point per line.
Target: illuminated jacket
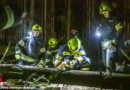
73	60
30	48
50	54
111	29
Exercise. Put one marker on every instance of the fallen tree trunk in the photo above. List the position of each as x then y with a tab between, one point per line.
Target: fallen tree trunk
71	77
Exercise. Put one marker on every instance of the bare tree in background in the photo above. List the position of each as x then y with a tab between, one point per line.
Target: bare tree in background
45	20
69	19
32	9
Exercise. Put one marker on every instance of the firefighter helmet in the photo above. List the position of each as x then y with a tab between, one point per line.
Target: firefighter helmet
74	44
52	42
37	28
104	7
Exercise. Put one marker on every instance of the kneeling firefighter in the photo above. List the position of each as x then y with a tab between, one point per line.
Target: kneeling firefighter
30	49
50	54
72	56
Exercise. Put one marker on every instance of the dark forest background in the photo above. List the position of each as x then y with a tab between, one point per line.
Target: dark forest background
57	18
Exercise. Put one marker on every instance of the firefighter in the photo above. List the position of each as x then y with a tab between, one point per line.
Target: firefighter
50	54
30	49
109	31
72	56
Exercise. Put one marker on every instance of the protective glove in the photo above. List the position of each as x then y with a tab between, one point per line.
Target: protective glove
71	64
17	57
41	64
113	41
17	54
111	47
65	64
98	28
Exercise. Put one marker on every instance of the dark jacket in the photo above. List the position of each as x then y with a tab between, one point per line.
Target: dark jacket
31	47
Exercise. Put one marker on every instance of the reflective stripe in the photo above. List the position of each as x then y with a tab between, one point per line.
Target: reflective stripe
66	53
22	43
41	66
79	54
111	47
109	41
58	57
48	52
110	20
18	51
66	65
42	62
118	26
82	53
80	59
47	60
72	63
76	54
17	57
28	59
55	51
85	69
42	50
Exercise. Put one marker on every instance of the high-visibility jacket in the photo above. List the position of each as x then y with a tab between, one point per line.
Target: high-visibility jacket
50	54
31	49
72	59
110	28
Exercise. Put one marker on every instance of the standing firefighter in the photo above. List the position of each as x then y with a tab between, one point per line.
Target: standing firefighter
72	56
50	54
109	30
30	49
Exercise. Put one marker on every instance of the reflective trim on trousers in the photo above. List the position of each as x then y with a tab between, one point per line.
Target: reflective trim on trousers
109	55
22	62
28	59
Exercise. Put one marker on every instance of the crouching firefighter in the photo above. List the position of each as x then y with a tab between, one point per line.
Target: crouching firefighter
30	49
50	54
72	56
109	32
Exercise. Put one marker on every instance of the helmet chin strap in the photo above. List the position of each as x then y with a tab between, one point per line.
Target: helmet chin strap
74	51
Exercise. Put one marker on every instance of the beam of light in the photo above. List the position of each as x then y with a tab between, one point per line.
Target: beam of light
98	34
30	36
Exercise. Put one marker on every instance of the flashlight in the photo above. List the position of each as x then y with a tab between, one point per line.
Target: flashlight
98	33
98	30
30	34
